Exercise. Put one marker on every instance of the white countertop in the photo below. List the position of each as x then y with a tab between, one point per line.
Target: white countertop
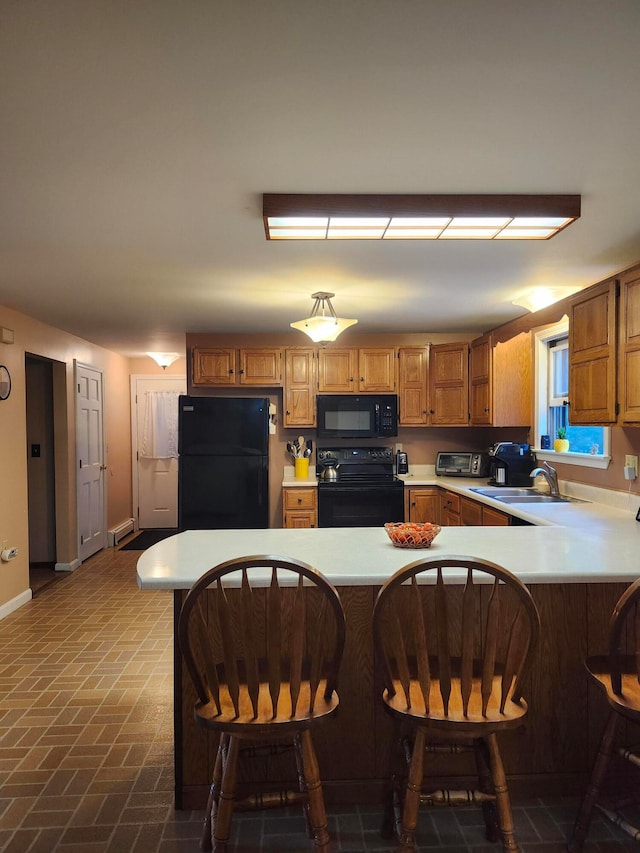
594	541
593	552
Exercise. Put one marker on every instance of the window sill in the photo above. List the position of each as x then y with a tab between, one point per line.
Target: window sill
583	459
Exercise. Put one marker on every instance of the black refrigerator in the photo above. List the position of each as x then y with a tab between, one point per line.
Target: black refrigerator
223	464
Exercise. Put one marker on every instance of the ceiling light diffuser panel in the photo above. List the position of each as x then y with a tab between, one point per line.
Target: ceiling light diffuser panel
417	217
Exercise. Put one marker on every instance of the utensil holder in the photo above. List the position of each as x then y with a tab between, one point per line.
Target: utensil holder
302	468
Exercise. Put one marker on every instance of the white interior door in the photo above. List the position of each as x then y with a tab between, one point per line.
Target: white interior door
92	533
155	480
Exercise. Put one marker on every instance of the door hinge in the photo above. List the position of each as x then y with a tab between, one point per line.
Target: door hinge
80	463
82	540
617	408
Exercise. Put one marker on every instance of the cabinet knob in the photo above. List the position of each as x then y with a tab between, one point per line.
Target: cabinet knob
299	500
486	408
288	412
566	403
362	379
432	411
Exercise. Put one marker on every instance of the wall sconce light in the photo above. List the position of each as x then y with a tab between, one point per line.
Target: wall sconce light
540	297
302	216
164	359
322	325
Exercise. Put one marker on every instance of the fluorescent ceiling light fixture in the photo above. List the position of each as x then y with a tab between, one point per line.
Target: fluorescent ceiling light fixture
322	325
540	297
302	216
164	359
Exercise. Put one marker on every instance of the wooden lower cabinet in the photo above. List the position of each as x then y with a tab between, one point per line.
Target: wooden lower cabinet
300	507
422	505
450	509
552	751
475	514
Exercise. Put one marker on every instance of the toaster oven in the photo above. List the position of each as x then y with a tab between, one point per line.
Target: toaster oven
462	463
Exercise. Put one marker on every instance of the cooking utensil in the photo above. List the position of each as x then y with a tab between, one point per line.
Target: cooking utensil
330	473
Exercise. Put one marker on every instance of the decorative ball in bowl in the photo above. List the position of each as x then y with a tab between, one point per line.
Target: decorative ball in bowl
411	534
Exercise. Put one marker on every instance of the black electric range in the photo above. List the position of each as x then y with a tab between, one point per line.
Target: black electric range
365	492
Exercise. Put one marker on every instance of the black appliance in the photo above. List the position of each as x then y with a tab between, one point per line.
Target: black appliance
402	462
357	416
462	463
365	493
223	465
511	464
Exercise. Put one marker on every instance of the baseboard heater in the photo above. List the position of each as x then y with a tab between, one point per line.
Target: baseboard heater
120	531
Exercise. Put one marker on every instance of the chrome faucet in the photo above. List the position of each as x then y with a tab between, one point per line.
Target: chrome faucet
551	476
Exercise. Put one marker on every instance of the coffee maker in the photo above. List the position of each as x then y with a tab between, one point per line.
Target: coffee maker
511	464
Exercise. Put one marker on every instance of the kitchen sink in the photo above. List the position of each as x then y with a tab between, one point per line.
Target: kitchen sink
512	495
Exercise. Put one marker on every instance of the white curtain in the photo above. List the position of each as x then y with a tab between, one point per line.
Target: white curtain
160	426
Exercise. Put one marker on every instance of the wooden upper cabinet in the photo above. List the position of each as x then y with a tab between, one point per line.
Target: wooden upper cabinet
300	381
512	382
629	348
214	366
228	366
480	382
592	356
377	369
500	381
412	386
337	370
261	366
350	370
449	384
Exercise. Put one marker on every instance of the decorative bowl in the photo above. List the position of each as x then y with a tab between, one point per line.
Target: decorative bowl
411	534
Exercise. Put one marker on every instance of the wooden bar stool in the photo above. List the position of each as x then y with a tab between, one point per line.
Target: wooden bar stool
454	655
262	638
618	676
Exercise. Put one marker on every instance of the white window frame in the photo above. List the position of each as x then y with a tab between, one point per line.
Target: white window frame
541	380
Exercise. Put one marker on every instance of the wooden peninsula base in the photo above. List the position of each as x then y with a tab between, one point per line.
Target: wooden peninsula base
552	752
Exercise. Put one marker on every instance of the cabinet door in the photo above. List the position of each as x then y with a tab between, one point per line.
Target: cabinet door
412	386
629	348
470	512
337	369
449	384
261	366
423	505
450	509
377	368
494	518
592	357
512	395
300	379
480	381
214	366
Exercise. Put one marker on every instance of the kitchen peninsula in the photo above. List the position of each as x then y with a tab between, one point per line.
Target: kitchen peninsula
576	566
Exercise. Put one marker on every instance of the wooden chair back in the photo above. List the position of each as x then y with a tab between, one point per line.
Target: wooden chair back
624	637
268	632
452	639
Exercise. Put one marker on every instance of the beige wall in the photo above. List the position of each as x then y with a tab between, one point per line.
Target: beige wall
31	336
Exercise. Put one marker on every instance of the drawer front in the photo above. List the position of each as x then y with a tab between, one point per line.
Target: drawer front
300	499
451	502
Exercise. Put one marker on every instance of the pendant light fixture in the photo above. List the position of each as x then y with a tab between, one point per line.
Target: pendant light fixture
322	325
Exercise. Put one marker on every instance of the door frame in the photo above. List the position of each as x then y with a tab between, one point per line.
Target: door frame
134	377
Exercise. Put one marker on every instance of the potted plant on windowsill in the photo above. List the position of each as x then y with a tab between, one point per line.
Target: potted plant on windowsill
561	443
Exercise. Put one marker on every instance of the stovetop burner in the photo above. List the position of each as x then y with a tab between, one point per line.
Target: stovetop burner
361	466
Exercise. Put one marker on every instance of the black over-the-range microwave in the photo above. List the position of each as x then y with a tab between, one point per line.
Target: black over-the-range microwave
354	416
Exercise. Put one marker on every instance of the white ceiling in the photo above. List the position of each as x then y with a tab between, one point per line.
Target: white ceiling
138	137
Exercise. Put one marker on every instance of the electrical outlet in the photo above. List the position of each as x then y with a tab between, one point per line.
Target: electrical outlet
631	462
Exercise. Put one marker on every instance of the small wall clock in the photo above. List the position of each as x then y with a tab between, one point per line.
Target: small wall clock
5	382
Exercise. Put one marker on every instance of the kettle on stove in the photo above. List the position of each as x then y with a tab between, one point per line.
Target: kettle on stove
329	473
